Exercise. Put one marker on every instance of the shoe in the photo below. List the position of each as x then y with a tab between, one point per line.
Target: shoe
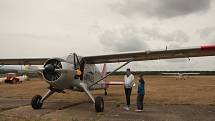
127	108
138	110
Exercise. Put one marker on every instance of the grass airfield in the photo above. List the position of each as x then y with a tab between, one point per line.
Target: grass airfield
166	99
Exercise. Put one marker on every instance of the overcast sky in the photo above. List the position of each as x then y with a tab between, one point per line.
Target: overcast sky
54	28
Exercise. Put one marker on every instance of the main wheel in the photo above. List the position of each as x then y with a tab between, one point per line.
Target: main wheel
99	104
106	93
35	102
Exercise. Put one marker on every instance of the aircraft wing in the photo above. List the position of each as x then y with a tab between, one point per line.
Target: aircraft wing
23	61
181	73
191	73
152	55
170	73
114	83
124	57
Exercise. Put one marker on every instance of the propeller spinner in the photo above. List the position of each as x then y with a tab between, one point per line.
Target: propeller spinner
50	68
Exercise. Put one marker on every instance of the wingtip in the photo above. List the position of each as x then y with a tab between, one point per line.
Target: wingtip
208	47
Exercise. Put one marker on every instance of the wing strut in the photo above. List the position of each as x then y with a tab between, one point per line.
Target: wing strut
111	73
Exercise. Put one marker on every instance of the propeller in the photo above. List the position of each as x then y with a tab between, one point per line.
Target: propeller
52	70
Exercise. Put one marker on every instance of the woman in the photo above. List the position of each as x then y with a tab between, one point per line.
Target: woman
140	94
129	81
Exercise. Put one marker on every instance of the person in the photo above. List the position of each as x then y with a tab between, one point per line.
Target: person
129	81
140	94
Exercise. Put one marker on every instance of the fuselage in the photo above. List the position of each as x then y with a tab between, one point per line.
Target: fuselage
66	79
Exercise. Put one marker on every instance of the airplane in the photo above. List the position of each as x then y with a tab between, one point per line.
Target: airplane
60	73
181	76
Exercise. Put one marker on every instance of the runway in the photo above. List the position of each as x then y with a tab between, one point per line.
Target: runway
166	99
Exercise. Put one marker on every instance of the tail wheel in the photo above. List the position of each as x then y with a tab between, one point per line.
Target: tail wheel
99	104
35	102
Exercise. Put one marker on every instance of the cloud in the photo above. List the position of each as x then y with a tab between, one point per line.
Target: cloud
126	39
207	34
161	8
175	36
130	38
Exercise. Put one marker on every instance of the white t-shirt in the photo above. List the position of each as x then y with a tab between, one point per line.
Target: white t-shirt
129	80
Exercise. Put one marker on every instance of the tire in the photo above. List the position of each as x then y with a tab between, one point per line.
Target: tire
6	81
35	102
99	104
106	93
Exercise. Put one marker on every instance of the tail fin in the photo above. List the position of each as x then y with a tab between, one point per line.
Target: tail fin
105	83
104	73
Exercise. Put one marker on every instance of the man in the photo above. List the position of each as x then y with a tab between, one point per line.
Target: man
129	82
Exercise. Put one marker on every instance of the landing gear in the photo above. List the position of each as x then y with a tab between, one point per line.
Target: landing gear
36	102
106	92
98	101
99	104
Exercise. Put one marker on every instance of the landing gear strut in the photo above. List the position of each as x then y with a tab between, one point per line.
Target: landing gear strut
98	101
37	100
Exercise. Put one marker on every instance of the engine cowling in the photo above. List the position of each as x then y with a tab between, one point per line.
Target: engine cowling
49	72
55	76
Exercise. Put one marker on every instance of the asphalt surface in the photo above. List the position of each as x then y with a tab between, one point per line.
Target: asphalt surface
56	110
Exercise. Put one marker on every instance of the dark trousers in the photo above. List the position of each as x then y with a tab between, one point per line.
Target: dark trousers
140	99
128	95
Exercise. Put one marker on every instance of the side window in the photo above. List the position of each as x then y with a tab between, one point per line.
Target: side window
93	69
89	72
88	76
90	69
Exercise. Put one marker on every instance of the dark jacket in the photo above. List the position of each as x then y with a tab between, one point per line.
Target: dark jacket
141	88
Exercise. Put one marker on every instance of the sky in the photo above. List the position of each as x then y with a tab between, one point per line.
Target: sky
55	28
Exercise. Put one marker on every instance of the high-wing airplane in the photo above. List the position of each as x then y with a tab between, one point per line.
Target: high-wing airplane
181	76
60	73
